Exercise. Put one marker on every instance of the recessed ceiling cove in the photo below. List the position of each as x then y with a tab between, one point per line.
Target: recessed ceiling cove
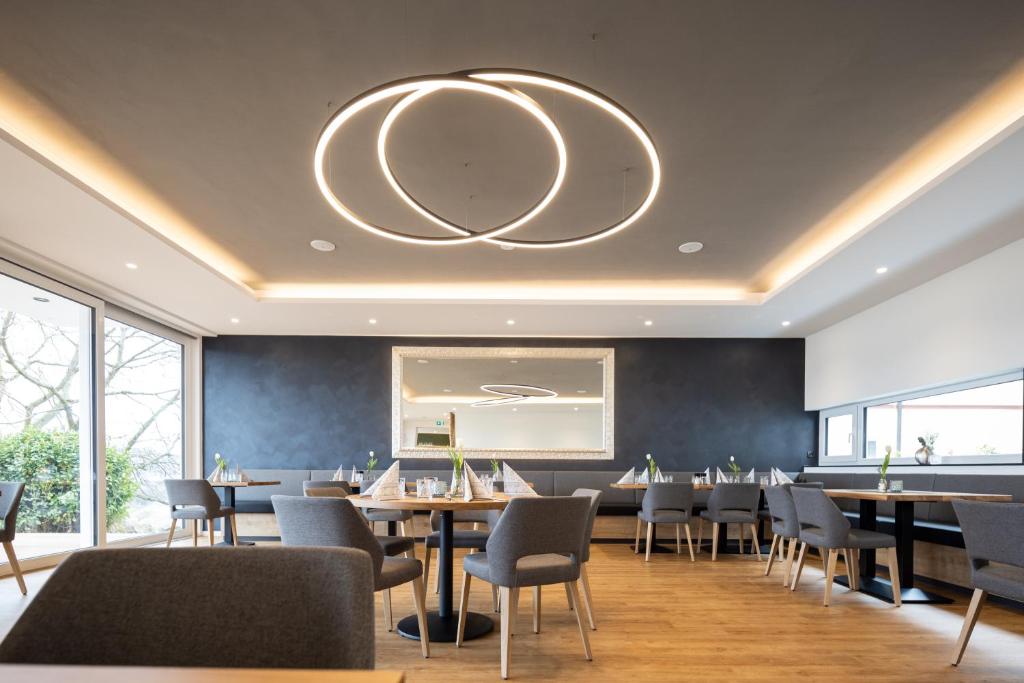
495	83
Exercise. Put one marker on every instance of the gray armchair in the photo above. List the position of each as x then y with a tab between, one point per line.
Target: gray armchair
335	522
666	503
824	526
10	501
993	533
135	613
785	527
474	539
731	504
393	545
536	542
334	488
194	500
595	502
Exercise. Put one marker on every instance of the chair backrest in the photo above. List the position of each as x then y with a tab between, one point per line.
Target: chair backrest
333	489
993	532
127	607
595	501
814	508
325	522
188	492
10	501
668	496
745	497
782	509
536	526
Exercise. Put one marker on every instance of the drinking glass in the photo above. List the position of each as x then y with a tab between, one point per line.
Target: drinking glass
896	486
401	487
421	488
668	478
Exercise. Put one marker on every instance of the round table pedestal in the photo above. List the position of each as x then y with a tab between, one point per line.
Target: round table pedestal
444	629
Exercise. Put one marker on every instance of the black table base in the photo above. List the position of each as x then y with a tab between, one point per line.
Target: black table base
225	523
882	589
444	629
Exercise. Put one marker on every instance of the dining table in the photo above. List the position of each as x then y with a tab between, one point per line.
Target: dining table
904	533
228	500
442	624
51	673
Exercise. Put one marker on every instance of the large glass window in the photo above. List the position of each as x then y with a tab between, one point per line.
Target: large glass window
839	436
145	434
46	431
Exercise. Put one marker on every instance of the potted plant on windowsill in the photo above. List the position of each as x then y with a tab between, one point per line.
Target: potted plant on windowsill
883	483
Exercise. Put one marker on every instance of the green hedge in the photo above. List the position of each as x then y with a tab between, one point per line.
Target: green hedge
48	464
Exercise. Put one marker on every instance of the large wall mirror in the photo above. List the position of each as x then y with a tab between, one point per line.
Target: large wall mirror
503	402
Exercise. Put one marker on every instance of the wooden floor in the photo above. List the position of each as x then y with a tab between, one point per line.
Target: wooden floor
673	620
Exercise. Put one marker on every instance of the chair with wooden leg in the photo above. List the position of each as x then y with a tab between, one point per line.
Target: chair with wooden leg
10	501
588	603
823	526
195	500
474	539
393	545
993	533
536	542
667	503
785	527
732	504
334	522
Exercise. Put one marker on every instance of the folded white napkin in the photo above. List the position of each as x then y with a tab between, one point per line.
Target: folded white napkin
216	476
628	477
472	487
339	474
751	476
353	473
644	477
779	477
707	474
516	485
719	475
658	476
386	486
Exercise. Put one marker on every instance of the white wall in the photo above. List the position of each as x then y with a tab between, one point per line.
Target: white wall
965	324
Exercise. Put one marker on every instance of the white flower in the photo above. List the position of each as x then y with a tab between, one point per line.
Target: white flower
371	454
732	458
648	456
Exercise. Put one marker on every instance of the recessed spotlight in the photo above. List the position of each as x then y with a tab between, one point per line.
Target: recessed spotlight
131	266
691	247
648	323
322	245
881	270
373	321
515	410
507	247
510	322
785	323
447	391
454	409
41	299
581	391
234	321
422	361
576	409
513	362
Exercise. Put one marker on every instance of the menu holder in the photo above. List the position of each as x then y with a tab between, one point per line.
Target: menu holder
516	485
628	477
386	486
472	487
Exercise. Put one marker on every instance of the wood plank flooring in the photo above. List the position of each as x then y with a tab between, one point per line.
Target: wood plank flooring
673	620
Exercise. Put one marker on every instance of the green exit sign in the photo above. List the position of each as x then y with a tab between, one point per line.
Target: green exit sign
439	423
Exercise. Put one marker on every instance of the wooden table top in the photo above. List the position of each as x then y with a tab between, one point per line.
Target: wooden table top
499	502
44	673
241	484
917	496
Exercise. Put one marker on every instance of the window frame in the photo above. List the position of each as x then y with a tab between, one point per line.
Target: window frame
860	426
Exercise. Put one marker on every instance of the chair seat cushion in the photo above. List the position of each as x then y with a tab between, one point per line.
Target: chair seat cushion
378	515
729	517
857	538
199	512
396	545
665	517
535	570
461	538
1002	580
398	570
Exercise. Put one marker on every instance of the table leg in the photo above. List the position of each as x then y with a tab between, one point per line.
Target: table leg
443	624
392	528
869	522
229	501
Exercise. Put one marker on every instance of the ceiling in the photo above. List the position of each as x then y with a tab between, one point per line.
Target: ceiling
195	122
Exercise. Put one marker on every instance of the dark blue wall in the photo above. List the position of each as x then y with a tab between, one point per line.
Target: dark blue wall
319	402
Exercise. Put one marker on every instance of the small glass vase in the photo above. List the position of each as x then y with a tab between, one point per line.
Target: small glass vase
883	485
456	487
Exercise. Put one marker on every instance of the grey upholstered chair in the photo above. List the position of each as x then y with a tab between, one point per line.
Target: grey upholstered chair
731	504
824	526
339	487
595	502
536	542
993	532
135	613
335	522
195	500
374	515
785	527
393	545
10	501
666	503
474	539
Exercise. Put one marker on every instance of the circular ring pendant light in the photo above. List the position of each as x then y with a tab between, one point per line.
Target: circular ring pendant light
413	89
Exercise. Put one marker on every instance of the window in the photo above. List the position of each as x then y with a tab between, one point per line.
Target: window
838	435
969	423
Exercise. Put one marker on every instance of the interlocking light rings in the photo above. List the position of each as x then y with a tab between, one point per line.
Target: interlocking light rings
519	392
414	89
